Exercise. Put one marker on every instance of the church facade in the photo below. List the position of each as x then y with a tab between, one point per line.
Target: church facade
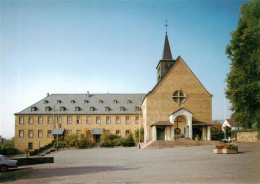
178	106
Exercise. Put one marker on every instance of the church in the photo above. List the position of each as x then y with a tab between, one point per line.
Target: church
178	106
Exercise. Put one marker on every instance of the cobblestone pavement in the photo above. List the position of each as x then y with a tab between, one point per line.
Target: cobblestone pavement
130	165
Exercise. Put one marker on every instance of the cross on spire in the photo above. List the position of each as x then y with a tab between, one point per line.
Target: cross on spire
166	25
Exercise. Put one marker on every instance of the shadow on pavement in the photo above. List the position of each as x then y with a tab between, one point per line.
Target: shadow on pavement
29	173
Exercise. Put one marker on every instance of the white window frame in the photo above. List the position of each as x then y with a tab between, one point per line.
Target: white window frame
40	133
39	120
30	133
127	119
88	120
59	119
21	133
68	120
49	120
20	120
98	120
118	120
108	121
78	120
30	120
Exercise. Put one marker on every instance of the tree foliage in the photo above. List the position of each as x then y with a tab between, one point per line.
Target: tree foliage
216	131
243	81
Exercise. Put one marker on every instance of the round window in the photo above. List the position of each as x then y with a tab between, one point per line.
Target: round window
179	96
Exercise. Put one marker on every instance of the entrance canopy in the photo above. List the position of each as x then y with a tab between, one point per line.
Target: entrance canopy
162	123
97	131
57	131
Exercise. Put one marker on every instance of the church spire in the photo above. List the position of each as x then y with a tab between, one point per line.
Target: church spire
167	55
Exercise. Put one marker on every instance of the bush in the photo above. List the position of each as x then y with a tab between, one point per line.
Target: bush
216	131
9	151
61	144
32	161
114	140
85	142
141	135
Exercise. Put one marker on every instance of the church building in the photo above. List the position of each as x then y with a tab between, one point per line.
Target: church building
178	106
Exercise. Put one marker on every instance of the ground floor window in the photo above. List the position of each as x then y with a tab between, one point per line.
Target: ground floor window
69	132
49	133
78	133
30	145
127	132
21	133
118	132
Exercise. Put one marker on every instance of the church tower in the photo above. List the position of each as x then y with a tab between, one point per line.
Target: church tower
166	62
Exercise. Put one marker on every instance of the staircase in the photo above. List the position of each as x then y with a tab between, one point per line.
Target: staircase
177	143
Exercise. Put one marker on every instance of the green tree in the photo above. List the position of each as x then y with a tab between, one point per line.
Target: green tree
216	131
243	81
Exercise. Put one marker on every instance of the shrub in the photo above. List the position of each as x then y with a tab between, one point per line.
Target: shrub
141	135
113	140
85	142
216	131
9	151
61	144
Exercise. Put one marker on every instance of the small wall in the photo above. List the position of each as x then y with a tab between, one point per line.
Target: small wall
248	136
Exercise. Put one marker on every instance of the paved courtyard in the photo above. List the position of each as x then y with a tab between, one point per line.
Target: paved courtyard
129	165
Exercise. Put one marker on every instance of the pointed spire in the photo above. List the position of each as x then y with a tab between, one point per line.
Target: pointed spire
167	55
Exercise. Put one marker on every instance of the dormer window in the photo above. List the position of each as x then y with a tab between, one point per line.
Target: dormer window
92	108
122	108
72	101
100	101
85	101
33	108
58	101
107	108
129	101
137	109
115	101
62	108
77	108
47	109
46	101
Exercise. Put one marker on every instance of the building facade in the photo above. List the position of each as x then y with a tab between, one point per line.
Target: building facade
178	106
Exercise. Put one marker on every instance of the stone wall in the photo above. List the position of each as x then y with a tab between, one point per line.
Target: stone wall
248	136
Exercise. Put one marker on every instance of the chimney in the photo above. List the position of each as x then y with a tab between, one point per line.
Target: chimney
87	94
48	94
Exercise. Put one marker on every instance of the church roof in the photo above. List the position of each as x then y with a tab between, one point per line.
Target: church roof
167	55
87	104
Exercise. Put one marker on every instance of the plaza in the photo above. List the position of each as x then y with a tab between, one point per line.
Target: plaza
196	164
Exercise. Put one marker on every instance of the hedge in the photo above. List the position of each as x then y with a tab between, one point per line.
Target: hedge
32	161
9	151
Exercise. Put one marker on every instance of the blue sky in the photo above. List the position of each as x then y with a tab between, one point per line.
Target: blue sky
108	46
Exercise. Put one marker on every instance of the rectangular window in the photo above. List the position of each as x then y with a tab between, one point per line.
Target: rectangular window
88	120
21	120
30	120
127	119
49	133
107	120
30	133
59	120
40	133
78	133
68	120
118	132
78	120
98	120
69	132
117	120
40	120
21	133
30	145
137	119
49	120
107	131
127	133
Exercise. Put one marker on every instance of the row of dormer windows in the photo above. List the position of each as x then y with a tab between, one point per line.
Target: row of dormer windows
47	109
86	101
89	120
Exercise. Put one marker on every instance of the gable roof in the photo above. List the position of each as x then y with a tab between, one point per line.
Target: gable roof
232	122
83	103
178	58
